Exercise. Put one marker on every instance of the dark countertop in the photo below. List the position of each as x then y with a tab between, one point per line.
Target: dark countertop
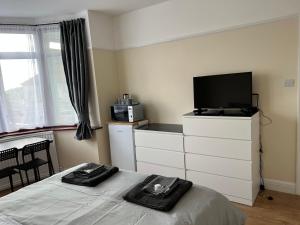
162	127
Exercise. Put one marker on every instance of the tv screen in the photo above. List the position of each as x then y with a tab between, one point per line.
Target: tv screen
223	91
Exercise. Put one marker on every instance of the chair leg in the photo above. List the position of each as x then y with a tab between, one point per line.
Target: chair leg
11	183
21	177
27	177
38	173
50	165
51	170
35	175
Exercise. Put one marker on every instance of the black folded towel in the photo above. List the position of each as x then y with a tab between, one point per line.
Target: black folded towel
167	185
139	195
90	175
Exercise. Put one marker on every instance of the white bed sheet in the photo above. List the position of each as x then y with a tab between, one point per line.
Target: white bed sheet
51	202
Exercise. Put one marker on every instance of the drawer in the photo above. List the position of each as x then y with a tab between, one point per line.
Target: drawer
161	157
148	168
159	140
224	185
228	148
218	127
219	166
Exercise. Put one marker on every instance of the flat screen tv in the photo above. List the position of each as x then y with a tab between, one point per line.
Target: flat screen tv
223	91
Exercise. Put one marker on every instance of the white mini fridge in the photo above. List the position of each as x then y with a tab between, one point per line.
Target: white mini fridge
121	139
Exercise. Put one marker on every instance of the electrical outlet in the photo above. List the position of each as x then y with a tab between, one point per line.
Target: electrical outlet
289	83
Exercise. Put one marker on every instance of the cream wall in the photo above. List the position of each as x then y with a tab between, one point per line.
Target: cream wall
160	76
175	19
100	30
108	90
104	74
298	122
71	152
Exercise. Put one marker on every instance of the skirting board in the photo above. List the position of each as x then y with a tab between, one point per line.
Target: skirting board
281	186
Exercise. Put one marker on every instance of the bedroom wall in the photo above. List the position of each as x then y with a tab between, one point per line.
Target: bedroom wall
105	74
108	90
71	152
161	76
176	19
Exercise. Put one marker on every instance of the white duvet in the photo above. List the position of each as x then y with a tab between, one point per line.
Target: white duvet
51	202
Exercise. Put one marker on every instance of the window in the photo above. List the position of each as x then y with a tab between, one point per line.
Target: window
33	89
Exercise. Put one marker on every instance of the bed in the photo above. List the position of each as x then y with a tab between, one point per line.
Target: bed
50	202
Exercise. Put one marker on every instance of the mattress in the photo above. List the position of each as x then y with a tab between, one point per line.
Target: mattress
50	202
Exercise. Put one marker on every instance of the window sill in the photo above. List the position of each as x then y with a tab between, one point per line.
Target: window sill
31	131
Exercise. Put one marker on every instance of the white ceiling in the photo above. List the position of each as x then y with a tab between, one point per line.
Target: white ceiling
48	8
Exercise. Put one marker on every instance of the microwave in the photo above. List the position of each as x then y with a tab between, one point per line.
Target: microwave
129	113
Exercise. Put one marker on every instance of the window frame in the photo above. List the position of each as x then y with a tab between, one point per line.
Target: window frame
38	55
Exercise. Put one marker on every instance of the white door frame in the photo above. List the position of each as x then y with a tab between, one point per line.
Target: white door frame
298	117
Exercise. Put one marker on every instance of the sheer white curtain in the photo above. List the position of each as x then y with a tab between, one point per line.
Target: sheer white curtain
33	91
60	110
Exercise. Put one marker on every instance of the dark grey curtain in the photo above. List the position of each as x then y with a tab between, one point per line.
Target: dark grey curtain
75	61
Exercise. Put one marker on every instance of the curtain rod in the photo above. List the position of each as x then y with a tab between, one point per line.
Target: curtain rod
32	25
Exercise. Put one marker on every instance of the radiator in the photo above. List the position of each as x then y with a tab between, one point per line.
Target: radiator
44	172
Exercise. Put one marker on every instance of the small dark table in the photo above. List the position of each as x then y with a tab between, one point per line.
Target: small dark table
19	144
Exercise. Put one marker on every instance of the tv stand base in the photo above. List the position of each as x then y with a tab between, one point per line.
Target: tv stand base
243	112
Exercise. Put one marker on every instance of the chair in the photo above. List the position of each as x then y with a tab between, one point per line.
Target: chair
34	163
9	171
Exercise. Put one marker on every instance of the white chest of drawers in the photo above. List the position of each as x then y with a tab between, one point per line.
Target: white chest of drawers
159	150
222	153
